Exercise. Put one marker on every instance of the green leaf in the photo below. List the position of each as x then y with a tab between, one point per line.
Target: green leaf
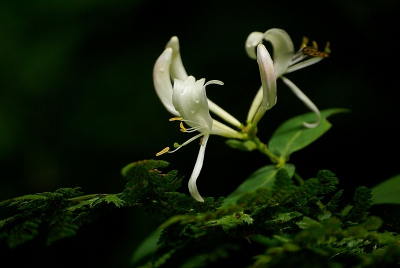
292	136
264	177
387	192
18	200
147	247
23	232
307	222
283	217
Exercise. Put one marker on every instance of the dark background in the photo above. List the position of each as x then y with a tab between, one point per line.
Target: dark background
77	101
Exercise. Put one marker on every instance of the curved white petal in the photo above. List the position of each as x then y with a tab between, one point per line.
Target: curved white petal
305	100
303	64
252	41
268	80
255	104
177	69
196	171
190	100
162	81
283	49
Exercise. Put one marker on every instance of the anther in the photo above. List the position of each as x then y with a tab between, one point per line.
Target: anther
183	129
314	45
201	140
304	43
327	50
175	119
163	151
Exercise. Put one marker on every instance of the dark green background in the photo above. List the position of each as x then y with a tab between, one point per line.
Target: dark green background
77	101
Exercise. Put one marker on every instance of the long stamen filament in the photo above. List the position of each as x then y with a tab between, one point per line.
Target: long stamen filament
186	142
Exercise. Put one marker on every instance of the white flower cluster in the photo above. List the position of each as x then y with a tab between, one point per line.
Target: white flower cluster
186	98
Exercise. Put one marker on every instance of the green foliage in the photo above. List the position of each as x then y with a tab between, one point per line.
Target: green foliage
362	203
260	180
292	136
61	226
285	217
387	192
60	212
291	222
23	232
327	182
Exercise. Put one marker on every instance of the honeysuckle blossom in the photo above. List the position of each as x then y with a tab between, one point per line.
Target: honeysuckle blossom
266	96
187	100
190	101
168	67
286	60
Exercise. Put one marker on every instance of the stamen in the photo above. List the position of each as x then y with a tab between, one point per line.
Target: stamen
192	129
175	119
304	42
163	151
314	45
183	129
312	52
327	50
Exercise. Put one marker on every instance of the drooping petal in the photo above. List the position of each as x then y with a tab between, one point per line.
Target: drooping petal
252	42
177	69
196	171
162	81
190	100
283	49
305	100
268	80
303	64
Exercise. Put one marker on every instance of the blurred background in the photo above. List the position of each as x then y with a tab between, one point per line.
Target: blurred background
77	101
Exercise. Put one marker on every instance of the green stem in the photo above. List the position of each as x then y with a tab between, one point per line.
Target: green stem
298	178
262	147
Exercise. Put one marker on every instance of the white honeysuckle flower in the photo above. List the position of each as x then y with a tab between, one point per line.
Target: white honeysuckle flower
162	82
266	96
190	101
286	60
168	67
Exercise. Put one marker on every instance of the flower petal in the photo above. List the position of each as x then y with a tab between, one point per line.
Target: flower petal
268	80
196	171
252	41
177	70
305	100
283	49
303	64
162	81
190	100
